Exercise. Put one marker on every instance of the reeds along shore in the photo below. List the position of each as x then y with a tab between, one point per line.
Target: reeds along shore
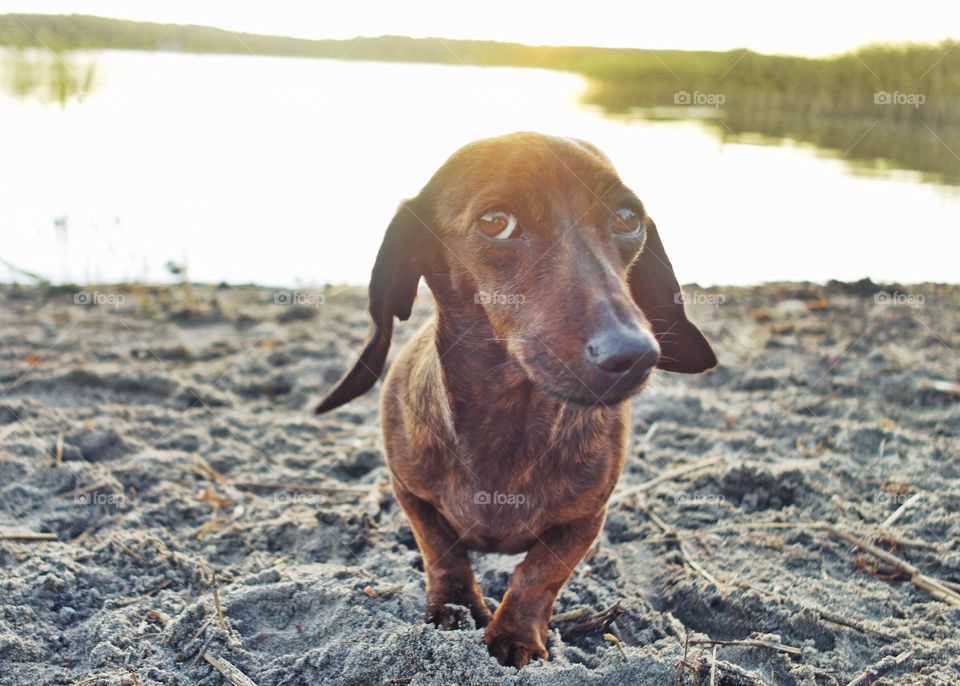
879	106
900	84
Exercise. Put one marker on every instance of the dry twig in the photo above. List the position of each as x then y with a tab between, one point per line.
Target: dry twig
881	668
166	583
216	601
668	475
917	578
229	670
576	623
293	486
898	513
750	643
934	587
612	638
26	536
222	665
671	537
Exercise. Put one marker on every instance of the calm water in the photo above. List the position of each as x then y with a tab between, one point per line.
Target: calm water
286	171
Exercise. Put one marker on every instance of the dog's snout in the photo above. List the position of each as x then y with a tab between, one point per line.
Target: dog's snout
622	351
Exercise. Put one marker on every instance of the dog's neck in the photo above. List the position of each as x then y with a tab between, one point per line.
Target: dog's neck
476	363
494	403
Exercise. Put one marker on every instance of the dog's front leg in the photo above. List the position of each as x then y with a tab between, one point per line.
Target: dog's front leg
518	631
446	562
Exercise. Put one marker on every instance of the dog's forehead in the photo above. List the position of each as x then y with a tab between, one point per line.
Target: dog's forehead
523	158
523	150
528	172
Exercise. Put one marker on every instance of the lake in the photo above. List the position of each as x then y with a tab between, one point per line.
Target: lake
286	171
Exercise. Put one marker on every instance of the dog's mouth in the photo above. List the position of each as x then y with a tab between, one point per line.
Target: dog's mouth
577	382
590	399
581	394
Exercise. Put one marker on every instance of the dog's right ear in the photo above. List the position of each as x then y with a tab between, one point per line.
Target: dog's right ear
401	261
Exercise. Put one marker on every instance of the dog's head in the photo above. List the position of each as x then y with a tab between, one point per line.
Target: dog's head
539	237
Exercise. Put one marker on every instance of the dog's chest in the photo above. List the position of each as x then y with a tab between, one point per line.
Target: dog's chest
505	502
501	474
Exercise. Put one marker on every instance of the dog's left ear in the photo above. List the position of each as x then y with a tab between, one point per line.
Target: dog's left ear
683	347
401	261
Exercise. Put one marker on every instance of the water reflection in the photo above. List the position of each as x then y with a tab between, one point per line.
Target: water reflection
285	171
867	145
52	75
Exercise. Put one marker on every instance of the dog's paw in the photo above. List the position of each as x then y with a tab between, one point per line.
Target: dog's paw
514	651
448	613
450	616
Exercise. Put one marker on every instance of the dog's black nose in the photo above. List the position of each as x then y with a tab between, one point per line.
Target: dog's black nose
623	351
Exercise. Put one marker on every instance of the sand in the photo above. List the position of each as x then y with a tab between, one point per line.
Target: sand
164	435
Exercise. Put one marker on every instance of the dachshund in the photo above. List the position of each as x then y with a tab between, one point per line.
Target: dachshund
505	419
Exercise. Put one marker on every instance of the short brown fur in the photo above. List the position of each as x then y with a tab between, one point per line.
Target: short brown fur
500	434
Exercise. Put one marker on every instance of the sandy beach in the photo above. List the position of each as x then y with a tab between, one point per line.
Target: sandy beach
171	509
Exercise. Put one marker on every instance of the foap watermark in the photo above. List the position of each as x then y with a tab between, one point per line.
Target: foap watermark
497	498
699	99
299	298
698	499
886	498
299	498
98	298
498	298
114	499
699	298
898	98
898	298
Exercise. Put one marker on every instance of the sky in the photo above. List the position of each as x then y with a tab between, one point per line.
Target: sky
813	27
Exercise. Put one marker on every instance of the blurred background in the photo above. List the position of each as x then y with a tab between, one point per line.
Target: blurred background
240	142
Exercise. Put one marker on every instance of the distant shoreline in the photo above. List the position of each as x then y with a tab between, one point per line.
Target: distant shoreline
899	103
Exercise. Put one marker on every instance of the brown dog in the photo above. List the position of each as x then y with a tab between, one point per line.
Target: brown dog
505	419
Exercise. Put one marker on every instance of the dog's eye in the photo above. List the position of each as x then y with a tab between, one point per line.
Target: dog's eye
626	222
499	225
